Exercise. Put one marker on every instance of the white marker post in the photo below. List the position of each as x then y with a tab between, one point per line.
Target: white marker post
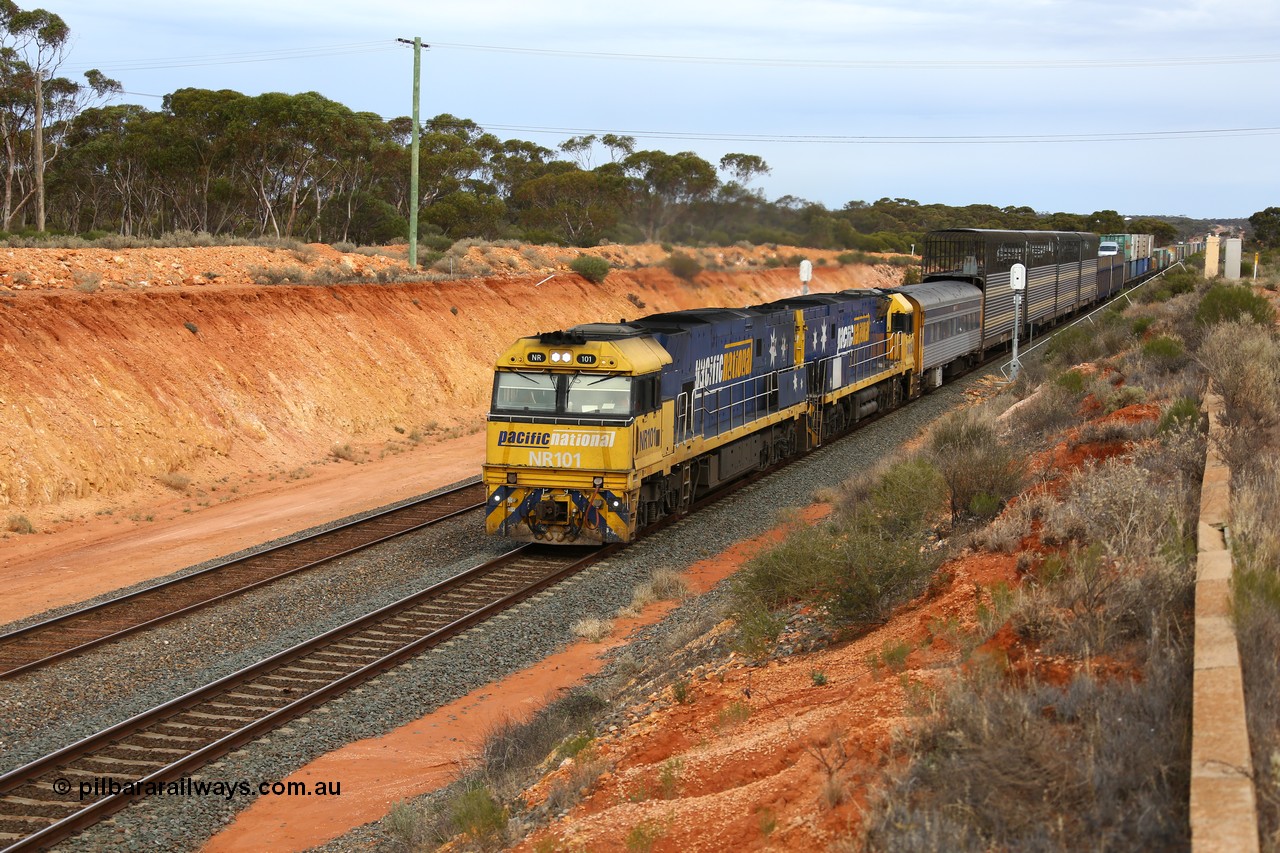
806	276
1017	283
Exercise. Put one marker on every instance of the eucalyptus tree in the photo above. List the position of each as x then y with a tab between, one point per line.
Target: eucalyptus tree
370	158
664	187
33	45
284	150
451	152
513	162
733	210
1105	222
201	175
106	180
572	205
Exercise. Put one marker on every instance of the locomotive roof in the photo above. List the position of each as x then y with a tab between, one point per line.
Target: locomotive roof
607	331
804	301
697	315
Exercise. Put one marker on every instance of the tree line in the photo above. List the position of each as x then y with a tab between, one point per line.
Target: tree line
305	167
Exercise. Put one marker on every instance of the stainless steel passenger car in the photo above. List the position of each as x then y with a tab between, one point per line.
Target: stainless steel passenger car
1062	269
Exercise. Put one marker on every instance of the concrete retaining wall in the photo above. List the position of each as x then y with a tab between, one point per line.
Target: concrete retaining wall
1223	809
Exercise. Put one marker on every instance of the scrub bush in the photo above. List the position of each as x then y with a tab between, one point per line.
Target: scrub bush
590	267
981	472
683	266
1226	302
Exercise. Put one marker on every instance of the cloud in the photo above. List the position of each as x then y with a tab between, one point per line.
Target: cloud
574	65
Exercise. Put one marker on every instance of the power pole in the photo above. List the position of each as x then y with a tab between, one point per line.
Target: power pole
413	153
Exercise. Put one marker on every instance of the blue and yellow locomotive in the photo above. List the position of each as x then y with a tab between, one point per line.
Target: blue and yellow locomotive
599	431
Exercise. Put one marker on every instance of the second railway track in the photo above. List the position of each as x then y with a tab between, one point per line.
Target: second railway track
41	803
53	639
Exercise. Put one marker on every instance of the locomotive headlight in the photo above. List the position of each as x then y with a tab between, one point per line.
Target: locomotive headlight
555	356
617	504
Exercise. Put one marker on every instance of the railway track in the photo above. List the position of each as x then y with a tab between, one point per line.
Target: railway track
42	802
72	633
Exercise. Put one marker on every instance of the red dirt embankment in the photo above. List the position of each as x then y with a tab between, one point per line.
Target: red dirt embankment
111	391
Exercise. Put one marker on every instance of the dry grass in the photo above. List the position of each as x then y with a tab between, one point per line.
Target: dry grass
1256	608
1119	507
175	480
592	628
664	585
1244	361
19	524
1038	767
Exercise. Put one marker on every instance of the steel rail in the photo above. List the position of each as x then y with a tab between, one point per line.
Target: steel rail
558	563
20	650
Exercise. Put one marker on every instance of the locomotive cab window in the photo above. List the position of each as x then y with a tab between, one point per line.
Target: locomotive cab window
593	393
516	391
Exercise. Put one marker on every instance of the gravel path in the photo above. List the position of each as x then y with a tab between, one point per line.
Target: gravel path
48	709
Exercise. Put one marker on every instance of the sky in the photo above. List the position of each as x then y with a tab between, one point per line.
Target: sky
1168	108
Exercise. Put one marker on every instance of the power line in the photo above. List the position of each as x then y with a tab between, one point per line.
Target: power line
324	51
279	55
904	64
986	139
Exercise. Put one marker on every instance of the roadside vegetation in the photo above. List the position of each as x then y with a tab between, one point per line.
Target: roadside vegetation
1017	755
1242	353
1067	722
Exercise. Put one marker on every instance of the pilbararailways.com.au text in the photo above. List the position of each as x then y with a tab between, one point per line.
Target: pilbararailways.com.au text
104	786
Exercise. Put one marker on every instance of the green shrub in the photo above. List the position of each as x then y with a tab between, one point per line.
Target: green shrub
1182	413
590	267
850	258
477	814
1225	302
1169	285
857	572
1073	345
683	266
906	494
1073	381
1166	353
980	471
